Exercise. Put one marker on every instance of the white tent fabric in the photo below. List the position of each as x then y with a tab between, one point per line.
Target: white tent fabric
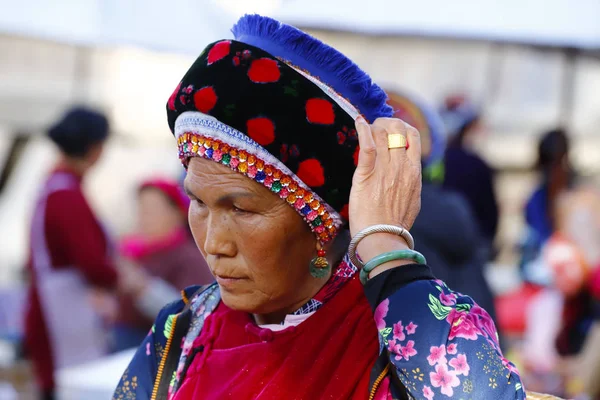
544	22
177	26
185	25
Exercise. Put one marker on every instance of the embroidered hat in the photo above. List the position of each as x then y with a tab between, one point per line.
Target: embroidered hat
278	106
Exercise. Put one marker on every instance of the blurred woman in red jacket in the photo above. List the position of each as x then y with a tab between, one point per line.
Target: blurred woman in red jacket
69	255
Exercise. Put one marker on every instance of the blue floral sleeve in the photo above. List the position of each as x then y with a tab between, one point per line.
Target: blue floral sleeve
138	379
443	345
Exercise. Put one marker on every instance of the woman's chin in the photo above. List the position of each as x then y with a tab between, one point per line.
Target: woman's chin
240	301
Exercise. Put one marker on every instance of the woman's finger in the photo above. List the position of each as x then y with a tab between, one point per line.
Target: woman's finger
392	126
414	145
368	152
380	129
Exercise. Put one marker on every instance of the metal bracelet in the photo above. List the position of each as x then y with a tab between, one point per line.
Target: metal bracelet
382	228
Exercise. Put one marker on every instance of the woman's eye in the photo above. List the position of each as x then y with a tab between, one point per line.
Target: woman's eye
239	210
199	203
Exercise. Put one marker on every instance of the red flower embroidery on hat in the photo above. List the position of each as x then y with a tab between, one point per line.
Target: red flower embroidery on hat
319	111
311	172
355	157
205	99
171	102
264	70
218	51
261	130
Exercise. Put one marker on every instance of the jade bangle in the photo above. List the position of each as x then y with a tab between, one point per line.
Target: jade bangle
390	256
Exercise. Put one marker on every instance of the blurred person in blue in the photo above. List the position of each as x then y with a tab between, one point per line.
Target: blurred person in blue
295	165
556	177
465	171
445	231
70	255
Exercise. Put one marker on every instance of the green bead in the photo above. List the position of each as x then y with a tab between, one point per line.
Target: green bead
226	159
317	222
276	187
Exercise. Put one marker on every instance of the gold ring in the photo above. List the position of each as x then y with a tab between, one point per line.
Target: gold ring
396	141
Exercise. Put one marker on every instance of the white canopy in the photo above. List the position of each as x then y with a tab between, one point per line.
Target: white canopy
186	25
544	22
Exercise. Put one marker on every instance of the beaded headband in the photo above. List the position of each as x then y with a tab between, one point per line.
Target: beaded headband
275	120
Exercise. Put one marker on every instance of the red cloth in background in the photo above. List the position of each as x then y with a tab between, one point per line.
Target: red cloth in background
73	238
511	309
595	283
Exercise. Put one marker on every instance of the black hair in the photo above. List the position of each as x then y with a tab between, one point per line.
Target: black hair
78	130
552	147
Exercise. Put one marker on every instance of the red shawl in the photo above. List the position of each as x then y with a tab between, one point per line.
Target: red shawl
328	356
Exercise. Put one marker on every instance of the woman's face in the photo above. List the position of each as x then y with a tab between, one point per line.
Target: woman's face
257	247
157	215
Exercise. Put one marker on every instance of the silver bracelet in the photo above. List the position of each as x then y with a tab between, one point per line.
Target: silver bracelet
396	230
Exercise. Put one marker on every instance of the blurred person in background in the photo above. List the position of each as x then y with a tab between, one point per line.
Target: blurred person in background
164	260
70	255
562	342
445	230
465	171
556	176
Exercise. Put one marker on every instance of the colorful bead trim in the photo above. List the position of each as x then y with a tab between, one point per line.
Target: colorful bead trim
312	210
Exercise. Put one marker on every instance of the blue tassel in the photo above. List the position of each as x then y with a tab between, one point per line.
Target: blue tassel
319	59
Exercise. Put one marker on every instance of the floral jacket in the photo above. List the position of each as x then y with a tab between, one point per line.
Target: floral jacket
434	343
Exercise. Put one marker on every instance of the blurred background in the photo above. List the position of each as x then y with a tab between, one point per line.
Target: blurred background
526	67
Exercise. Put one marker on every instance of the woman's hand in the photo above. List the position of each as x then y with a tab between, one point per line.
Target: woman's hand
386	188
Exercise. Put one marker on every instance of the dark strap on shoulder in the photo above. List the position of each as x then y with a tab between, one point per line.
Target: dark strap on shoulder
172	361
398	388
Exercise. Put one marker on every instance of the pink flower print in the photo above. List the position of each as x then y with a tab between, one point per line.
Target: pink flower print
452	348
399	331
448	299
437	355
462	325
380	313
395	349
411	328
409	350
484	323
444	379
427	392
148	349
460	365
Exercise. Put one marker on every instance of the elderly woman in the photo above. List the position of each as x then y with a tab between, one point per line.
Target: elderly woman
302	192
